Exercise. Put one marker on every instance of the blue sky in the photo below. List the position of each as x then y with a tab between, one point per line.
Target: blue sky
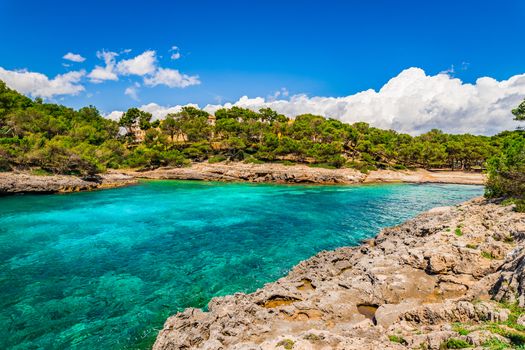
255	48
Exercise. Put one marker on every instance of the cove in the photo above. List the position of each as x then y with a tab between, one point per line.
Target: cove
104	269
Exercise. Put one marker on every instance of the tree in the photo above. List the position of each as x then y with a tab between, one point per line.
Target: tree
170	126
135	117
507	169
519	112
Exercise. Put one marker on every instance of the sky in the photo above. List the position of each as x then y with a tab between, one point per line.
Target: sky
407	65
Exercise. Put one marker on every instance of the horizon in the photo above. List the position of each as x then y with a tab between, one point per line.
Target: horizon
408	67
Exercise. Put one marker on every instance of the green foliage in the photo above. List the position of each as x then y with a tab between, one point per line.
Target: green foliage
397	339
217	159
506	169
495	344
58	139
454	343
458	232
519	112
487	255
458	327
286	343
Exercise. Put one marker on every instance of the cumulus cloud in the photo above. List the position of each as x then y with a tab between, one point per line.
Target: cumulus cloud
412	102
115	115
171	78
73	57
99	73
39	85
160	112
145	63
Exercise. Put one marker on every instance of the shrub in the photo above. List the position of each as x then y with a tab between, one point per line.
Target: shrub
217	159
454	343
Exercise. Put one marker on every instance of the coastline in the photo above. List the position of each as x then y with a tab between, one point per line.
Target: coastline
279	173
14	182
449	274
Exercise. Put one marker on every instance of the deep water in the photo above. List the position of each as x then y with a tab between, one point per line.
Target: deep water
103	270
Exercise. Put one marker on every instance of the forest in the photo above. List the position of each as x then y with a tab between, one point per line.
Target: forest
45	138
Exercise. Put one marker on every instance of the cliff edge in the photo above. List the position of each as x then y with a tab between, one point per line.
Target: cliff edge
451	277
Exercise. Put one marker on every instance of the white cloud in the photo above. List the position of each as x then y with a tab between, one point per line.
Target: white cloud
411	102
39	85
176	54
73	57
171	78
145	63
99	73
115	115
160	112
132	91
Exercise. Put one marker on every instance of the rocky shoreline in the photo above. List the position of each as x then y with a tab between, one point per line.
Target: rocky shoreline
453	277
12	183
279	173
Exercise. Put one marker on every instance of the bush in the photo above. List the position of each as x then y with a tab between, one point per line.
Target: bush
454	343
217	159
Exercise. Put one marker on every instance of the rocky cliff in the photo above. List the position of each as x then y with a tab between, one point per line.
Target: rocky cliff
26	183
279	173
452	277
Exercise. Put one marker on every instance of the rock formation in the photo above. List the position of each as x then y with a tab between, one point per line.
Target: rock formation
25	183
279	173
453	276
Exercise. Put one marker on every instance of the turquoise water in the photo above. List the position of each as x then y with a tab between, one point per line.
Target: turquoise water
103	270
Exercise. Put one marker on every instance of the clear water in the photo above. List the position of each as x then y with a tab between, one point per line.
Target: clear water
103	270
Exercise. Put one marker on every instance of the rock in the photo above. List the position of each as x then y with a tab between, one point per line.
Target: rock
411	282
272	172
510	286
26	183
480	337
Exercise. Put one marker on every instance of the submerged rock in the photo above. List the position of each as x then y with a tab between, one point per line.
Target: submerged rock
403	289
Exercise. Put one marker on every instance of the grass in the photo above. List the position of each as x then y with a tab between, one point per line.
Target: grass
458	232
40	172
286	343
217	159
322	165
288	163
488	255
252	160
397	339
458	327
454	343
520	204
495	344
312	337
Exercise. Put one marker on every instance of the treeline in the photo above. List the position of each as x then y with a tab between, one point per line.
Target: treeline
506	169
52	138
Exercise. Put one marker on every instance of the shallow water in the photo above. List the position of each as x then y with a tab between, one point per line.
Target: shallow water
104	269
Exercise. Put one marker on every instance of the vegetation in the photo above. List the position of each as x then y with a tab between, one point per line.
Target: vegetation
286	343
54	139
397	339
507	167
454	343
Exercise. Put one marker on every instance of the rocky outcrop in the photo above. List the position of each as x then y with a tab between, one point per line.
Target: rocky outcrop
279	173
26	183
408	288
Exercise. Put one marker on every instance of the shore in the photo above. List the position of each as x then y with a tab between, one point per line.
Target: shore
447	277
279	173
11	183
14	182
